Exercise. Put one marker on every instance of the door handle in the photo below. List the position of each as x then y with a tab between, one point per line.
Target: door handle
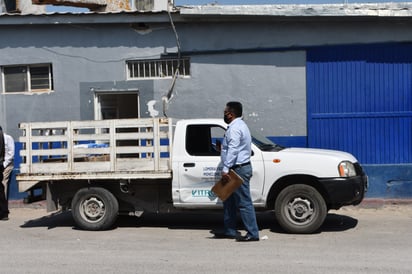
188	164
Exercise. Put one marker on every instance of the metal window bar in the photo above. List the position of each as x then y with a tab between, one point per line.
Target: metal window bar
153	69
169	68
148	68
50	77
28	78
131	70
141	70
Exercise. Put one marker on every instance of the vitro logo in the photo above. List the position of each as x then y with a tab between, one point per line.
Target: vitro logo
203	193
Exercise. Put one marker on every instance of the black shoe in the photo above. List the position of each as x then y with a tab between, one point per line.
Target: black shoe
4	218
246	238
222	235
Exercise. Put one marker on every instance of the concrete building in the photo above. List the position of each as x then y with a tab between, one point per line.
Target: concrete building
329	76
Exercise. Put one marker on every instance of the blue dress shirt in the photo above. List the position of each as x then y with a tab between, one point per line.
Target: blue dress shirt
236	145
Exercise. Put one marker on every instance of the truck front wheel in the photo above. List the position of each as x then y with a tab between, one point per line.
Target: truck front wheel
94	208
300	209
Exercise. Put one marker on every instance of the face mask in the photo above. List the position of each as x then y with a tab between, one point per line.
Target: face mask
226	119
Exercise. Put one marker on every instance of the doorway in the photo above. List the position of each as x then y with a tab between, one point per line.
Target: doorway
118	105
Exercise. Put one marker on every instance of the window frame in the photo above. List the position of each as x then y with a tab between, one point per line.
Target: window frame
161	68
208	140
28	78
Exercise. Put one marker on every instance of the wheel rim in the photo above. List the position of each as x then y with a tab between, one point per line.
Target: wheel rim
300	211
92	209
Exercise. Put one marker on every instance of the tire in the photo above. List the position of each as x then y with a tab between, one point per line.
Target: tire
94	208
300	209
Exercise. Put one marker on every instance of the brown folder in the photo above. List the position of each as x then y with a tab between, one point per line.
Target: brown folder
224	188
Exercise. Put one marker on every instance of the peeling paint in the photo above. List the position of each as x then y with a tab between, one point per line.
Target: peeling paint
355	9
151	109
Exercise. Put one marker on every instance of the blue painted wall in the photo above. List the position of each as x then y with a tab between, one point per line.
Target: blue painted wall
13	187
360	101
389	181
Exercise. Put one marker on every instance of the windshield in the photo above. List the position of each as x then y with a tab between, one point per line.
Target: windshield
264	143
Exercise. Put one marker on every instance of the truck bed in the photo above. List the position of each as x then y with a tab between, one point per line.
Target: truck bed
88	150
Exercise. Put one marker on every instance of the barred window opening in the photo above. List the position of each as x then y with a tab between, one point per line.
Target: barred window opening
158	68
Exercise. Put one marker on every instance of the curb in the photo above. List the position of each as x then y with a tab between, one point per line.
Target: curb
380	202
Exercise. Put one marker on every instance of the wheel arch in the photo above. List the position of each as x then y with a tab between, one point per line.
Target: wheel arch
62	192
288	180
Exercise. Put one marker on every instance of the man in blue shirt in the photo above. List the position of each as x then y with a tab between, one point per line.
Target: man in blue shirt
235	155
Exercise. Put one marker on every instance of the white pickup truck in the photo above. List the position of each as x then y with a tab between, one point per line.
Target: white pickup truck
100	169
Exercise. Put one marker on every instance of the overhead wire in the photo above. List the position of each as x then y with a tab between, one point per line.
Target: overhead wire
169	94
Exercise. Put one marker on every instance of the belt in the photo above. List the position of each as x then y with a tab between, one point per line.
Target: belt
240	165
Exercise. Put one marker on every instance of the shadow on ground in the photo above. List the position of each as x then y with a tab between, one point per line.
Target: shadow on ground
59	219
337	222
190	220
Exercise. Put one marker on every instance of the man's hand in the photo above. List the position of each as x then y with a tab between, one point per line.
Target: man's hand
225	177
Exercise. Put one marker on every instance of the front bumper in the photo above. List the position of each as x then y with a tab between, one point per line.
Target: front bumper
345	191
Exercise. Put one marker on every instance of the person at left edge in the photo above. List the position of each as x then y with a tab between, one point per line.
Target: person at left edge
4	208
8	163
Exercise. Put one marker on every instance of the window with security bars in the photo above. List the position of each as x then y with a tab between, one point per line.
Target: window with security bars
27	78
158	68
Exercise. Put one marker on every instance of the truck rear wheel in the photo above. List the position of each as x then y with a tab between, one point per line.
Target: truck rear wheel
300	209
94	208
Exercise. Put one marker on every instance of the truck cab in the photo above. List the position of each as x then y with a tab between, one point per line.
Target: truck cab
197	166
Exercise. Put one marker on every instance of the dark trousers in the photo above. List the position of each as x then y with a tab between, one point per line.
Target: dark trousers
4	205
242	201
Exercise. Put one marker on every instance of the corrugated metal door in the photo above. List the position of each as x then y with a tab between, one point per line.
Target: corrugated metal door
360	101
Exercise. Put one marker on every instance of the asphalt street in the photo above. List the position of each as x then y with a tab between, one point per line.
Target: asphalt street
375	239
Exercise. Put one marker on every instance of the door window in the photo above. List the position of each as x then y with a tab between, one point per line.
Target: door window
204	140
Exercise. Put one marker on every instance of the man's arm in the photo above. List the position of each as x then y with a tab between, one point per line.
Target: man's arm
9	155
233	143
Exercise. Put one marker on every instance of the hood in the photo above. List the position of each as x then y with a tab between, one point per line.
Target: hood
316	162
316	152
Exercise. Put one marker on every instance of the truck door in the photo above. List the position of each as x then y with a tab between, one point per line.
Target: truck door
202	167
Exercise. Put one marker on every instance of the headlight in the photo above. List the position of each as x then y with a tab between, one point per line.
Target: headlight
346	169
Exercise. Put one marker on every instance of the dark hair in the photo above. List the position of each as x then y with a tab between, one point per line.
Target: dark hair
236	108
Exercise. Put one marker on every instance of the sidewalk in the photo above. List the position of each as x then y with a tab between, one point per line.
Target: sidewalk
22	204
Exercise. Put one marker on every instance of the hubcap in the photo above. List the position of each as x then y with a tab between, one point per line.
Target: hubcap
300	210
92	209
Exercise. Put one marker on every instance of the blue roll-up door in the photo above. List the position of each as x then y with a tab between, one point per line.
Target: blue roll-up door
360	101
